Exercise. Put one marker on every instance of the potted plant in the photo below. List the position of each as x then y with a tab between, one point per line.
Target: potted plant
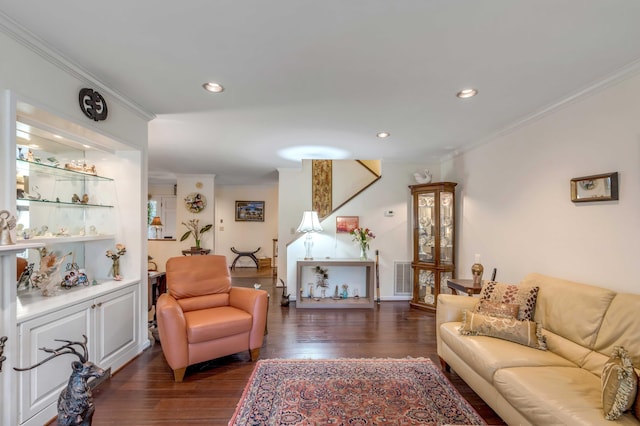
194	229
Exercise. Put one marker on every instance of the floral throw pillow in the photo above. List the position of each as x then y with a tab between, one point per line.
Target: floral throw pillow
497	309
526	333
619	384
523	296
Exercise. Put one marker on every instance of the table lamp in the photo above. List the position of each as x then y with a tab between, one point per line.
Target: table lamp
309	224
156	223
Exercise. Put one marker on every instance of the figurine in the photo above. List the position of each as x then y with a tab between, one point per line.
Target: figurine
75	198
422	179
7	223
85	199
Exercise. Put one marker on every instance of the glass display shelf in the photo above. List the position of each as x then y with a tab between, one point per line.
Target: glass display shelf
60	173
24	201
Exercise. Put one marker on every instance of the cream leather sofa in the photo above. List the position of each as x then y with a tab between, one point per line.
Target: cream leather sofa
560	386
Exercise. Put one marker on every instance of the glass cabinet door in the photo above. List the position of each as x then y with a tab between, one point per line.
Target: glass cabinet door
446	228
426	225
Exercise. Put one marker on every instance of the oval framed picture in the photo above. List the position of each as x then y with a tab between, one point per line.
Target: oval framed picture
195	202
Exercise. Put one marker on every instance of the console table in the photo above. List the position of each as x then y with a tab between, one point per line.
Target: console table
358	274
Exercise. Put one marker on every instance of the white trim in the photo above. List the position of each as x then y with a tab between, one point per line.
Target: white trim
50	54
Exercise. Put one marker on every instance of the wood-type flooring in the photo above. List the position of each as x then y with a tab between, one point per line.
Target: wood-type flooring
144	393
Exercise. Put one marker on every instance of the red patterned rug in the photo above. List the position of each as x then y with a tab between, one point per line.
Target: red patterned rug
351	392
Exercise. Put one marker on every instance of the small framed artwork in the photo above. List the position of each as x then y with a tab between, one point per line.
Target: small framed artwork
602	187
346	223
249	211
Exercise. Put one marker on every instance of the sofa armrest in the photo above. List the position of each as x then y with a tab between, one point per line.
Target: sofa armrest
172	327
254	302
450	309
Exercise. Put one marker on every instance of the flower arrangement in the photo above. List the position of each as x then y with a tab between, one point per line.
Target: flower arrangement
194	229
362	236
115	257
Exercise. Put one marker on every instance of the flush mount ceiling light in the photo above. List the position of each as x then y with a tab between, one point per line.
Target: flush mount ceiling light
467	93
383	135
213	87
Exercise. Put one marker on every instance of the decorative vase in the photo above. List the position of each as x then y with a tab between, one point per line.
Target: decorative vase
323	292
197	244
363	252
476	271
115	268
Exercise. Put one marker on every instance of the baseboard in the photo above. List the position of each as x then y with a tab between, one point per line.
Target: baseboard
93	384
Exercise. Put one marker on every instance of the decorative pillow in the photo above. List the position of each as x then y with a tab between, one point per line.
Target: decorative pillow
619	384
497	309
526	333
523	296
636	407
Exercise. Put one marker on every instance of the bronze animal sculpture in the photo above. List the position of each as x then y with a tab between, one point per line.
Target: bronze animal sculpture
75	404
284	301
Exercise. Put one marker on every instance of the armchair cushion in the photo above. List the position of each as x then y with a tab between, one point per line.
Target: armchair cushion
215	323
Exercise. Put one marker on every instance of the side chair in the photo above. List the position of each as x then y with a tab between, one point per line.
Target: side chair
202	317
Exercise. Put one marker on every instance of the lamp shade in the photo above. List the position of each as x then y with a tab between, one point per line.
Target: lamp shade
156	221
310	222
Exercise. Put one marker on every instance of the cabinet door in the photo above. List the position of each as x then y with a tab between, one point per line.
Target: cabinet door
38	389
116	327
425	239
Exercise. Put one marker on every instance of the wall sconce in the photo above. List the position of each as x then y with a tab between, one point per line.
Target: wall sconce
309	224
156	223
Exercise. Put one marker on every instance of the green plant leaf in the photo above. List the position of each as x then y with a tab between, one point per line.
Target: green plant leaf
185	235
206	228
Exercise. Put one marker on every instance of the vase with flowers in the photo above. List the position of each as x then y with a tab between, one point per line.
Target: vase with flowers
194	230
362	236
115	258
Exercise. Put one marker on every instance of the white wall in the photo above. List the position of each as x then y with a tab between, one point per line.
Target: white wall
245	236
393	236
515	207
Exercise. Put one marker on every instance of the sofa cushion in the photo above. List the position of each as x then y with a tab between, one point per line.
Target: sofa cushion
497	309
485	355
215	323
523	296
555	395
523	332
619	384
578	321
621	327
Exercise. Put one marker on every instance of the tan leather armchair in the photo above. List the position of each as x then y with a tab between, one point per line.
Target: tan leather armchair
202	317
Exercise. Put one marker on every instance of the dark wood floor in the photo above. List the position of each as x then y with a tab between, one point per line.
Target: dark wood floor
144	393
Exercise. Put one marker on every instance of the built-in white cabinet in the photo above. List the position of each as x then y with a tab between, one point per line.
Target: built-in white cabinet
78	193
110	323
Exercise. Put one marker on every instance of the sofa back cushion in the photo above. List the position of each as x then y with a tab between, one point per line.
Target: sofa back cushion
572	310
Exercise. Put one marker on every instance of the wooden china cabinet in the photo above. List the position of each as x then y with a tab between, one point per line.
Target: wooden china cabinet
433	242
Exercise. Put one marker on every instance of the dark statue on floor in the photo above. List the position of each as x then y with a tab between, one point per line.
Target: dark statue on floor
75	404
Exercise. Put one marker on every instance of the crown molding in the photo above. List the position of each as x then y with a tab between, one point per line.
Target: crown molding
608	81
29	40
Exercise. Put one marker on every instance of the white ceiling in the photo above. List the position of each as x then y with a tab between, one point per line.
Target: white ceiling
304	76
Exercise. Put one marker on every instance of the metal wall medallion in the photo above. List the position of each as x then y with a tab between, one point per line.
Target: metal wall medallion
92	104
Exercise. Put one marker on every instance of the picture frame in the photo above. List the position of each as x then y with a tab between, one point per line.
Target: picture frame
249	211
602	187
346	224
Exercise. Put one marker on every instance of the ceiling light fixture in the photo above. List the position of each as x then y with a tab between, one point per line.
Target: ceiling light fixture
467	93
383	135
213	87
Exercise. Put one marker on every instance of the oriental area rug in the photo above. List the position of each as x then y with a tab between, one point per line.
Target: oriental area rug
351	392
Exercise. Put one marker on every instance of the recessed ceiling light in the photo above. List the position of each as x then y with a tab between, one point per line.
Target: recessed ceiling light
467	93
86	146
383	135
213	87
57	136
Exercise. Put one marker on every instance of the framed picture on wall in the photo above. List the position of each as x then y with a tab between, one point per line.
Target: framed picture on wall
602	187
346	223
249	211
